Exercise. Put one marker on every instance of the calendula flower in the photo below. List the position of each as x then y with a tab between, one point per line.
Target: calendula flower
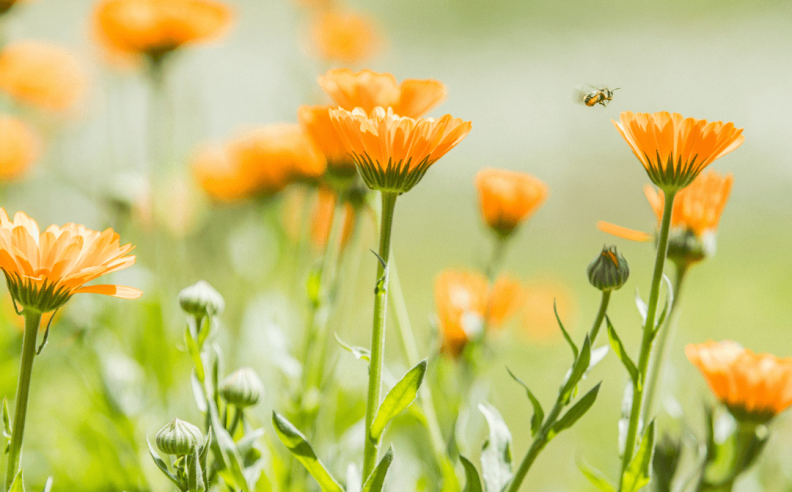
158	27
466	305
754	387
19	148
42	74
694	220
367	89
394	152
674	149
344	37
316	122
43	270
323	216
508	198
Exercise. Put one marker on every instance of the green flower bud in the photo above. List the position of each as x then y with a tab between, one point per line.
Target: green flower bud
200	299
242	388
609	270
179	438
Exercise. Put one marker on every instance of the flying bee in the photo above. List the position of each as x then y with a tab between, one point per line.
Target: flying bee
591	96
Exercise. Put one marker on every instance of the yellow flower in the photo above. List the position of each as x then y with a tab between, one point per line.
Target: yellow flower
42	75
367	89
19	148
507	198
43	270
344	37
394	152
755	387
674	149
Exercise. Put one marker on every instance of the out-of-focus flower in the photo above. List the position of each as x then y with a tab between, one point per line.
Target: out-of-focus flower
367	89
394	152
674	149
754	387
466	305
538	318
43	75
43	270
694	220
508	198
344	37
317	123
260	161
323	216
158	27
201	299
177	207
19	148
242	388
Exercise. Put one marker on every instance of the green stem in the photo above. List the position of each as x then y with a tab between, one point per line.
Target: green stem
600	316
498	253
648	335
32	321
744	439
667	331
378	332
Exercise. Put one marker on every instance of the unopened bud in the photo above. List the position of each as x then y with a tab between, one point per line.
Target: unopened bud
242	388
609	270
201	299
179	438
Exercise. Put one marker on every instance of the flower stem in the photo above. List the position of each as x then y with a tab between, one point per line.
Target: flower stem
600	316
378	331
32	320
498	253
648	335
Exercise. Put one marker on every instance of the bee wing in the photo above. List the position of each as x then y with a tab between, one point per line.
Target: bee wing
580	93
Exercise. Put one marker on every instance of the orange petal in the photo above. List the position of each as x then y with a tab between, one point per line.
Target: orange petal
623	232
111	290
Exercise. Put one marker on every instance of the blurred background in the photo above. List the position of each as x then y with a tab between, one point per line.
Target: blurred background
114	372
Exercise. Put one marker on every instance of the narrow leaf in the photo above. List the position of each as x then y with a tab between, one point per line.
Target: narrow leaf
574	414
18	484
358	352
596	477
162	466
621	353
538	416
578	369
6	420
471	476
641	305
397	399
229	454
48	485
638	473
299	447
195	353
566	334
496	454
376	480
669	302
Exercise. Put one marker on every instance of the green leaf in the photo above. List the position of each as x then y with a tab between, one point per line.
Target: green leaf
496	454
641	305
669	302
18	484
163	466
471	476
6	420
202	458
566	334
48	485
198	393
538	416
576	374
397	399
195	481
596	477
229	454
299	447
638	472
574	414
195	353
358	352
376	480
621	353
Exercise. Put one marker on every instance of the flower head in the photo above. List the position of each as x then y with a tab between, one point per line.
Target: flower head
394	152
508	198
674	149
19	148
609	270
367	89
344	37
158	27
179	438
754	387
316	122
42	75
43	270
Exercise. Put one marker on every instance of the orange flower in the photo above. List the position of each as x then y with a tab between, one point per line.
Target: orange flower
42	74
158	27
394	152
316	121
755	387
322	218
674	149
43	270
19	148
505	297
538	318
508	198
366	89
344	37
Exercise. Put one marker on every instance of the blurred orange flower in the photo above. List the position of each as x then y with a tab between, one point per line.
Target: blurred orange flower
674	149
19	148
158	27
298	200
755	387
538	318
507	198
41	74
43	270
344	37
367	89
317	123
262	160
394	152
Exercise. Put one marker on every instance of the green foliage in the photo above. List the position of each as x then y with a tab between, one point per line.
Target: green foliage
621	353
579	368
360	353
398	398
596	477
473	481
565	332
376	480
496	454
18	485
639	471
538	415
574	414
